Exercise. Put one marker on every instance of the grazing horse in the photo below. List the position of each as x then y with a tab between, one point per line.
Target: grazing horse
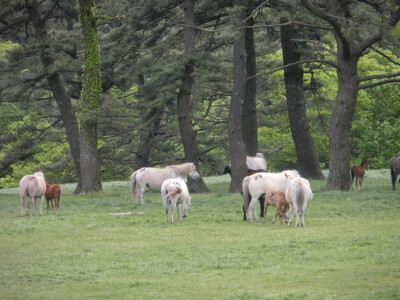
53	192
175	191
154	177
255	185
395	170
358	172
277	199
257	162
33	186
298	194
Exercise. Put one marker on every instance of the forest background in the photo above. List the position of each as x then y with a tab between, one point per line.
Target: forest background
143	49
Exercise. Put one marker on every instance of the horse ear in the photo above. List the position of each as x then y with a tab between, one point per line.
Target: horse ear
286	174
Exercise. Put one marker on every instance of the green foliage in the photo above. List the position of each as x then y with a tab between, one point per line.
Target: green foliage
85	252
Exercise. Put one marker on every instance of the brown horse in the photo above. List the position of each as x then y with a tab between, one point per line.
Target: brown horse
358	172
395	170
53	192
277	199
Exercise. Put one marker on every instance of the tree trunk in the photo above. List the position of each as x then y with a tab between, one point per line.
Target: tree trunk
342	115
60	94
307	158
90	94
237	148
249	113
183	101
151	125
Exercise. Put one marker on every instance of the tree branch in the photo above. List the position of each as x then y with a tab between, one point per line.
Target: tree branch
328	62
367	86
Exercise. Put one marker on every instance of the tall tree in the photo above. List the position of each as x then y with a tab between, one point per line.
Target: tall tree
56	84
237	147
90	95
249	113
353	38
183	103
307	158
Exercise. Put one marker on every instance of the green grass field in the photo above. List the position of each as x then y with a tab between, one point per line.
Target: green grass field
350	248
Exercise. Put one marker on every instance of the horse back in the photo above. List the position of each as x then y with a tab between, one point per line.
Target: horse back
31	185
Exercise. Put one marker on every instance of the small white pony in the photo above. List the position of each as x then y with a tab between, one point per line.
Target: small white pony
254	186
154	177
175	191
33	186
298	194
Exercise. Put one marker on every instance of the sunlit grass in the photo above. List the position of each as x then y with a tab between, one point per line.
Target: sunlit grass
349	249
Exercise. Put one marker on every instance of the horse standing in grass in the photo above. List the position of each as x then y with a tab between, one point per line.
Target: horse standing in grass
255	185
395	170
358	172
261	198
33	186
154	177
175	191
277	199
298	194
53	192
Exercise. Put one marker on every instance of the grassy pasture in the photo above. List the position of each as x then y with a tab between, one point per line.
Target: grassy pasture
350	248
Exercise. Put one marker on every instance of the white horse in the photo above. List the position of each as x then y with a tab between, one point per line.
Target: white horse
257	162
175	191
298	194
255	185
33	186
154	177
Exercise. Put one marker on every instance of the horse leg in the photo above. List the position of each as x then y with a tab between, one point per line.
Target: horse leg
41	204
360	182
277	209
166	212
47	202
22	206
302	220
252	209
244	214
140	194
265	211
261	206
31	202
173	207
290	214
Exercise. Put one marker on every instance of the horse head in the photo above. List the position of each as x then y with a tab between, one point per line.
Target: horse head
193	172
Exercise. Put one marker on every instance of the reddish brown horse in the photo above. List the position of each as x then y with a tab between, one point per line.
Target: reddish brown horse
358	172
53	192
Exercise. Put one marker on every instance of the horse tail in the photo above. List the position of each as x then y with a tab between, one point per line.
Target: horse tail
133	185
300	193
352	173
173	190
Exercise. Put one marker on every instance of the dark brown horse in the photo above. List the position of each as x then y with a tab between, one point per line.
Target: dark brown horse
395	170
358	172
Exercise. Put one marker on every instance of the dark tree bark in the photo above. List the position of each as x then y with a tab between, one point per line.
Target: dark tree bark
249	113
307	158
183	102
237	148
351	44
90	94
56	86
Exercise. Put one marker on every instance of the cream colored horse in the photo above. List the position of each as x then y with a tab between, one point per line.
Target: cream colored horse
154	177
33	186
298	194
175	191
